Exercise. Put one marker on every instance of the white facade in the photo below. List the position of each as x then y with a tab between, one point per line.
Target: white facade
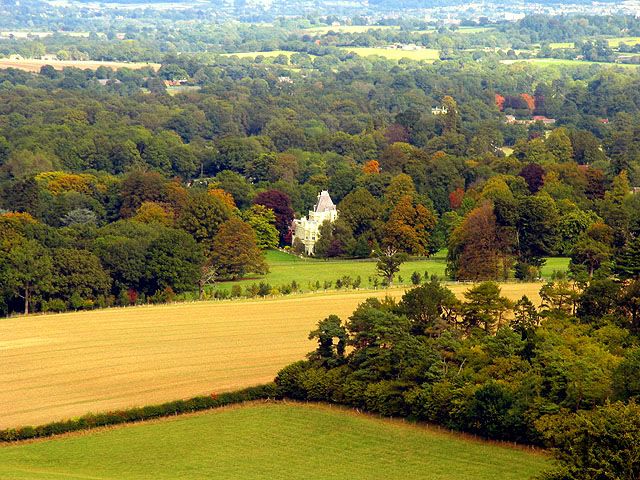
307	229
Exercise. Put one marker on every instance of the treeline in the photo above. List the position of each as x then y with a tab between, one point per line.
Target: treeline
133	38
88	162
165	240
502	370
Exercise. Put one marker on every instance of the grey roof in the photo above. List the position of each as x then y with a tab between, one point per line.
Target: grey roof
325	203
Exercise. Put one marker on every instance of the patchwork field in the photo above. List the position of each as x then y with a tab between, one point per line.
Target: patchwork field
33	65
59	366
425	54
270	441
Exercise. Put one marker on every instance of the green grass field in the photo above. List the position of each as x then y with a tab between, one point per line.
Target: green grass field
347	29
270	441
425	54
561	62
285	268
270	54
613	42
556	45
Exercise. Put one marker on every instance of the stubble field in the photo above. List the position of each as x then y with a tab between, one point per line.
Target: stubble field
59	366
34	65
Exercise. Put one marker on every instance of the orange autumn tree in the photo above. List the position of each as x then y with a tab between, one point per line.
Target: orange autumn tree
529	100
409	227
154	212
455	198
371	167
499	101
224	196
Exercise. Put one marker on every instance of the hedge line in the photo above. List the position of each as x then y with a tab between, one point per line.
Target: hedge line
89	421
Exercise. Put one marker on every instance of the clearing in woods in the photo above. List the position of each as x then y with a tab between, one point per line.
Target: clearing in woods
34	65
271	441
59	366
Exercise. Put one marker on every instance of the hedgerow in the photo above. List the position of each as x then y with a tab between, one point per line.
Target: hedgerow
138	414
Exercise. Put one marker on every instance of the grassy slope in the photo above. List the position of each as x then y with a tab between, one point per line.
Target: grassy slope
560	62
425	54
284	268
269	441
269	54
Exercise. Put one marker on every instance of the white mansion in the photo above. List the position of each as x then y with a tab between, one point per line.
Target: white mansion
307	229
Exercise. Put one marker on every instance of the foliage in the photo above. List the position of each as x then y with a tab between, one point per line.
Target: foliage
234	251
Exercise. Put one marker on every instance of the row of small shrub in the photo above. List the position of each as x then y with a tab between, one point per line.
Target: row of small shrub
124	299
89	421
264	289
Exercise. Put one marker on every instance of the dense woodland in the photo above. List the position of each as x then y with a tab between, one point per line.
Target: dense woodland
564	375
118	188
103	168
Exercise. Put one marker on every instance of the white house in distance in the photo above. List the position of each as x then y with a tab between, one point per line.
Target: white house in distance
307	229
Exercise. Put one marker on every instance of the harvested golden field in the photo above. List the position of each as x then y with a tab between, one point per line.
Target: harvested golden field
59	366
32	65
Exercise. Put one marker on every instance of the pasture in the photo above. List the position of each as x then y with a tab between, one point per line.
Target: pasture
613	42
34	65
268	54
60	366
270	441
285	268
347	29
561	62
423	54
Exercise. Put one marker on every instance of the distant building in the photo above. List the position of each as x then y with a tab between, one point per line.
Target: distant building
543	119
512	120
439	111
49	57
307	229
175	83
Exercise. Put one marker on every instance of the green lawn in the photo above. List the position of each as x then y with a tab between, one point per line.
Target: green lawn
269	441
555	62
615	42
270	54
348	29
285	268
555	45
424	54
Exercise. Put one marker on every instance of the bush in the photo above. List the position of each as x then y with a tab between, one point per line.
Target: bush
55	305
236	291
165	295
252	290
416	278
289	381
221	294
386	398
264	289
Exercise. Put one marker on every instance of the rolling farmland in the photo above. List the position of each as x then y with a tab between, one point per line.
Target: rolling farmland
34	65
269	441
60	366
423	54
